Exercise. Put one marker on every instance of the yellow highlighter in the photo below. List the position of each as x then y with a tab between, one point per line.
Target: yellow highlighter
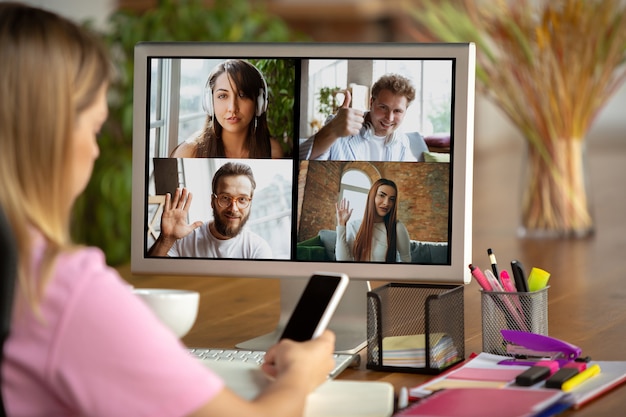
538	279
578	379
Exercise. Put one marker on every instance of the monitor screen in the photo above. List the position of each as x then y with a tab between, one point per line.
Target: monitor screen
282	159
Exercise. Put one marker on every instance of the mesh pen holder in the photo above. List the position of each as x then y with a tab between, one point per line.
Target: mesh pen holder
524	311
416	328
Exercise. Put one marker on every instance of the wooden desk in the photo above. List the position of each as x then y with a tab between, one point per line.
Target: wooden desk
587	293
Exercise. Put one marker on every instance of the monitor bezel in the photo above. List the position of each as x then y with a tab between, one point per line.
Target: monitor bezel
461	173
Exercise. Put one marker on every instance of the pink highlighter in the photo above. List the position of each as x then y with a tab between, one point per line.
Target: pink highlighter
506	281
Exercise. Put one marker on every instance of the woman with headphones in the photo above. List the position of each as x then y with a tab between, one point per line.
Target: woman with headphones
235	99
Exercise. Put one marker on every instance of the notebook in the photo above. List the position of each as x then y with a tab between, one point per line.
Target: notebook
612	375
332	398
484	402
483	370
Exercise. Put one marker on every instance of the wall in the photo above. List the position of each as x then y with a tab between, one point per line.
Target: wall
362	21
78	10
422	195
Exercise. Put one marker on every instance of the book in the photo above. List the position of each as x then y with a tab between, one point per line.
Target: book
484	402
332	398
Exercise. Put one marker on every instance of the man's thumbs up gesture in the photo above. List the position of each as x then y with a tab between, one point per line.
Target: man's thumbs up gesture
347	121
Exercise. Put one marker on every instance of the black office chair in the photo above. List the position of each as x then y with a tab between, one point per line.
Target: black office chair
8	275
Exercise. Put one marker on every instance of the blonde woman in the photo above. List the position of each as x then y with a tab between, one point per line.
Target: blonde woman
80	343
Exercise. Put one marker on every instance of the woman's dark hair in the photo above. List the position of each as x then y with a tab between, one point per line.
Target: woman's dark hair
363	240
247	80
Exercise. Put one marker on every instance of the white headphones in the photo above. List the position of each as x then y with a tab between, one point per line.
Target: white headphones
261	100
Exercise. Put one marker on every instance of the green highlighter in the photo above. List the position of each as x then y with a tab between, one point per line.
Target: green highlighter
538	279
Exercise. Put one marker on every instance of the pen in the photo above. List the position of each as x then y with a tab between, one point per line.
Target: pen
578	379
480	278
494	264
495	284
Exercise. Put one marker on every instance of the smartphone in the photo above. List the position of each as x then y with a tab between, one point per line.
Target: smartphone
316	306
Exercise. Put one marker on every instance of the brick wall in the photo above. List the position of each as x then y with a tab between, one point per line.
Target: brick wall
423	190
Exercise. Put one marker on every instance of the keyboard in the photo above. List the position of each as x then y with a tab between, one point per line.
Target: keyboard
342	360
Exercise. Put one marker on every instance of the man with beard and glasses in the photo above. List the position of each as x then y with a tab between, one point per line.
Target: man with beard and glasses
223	237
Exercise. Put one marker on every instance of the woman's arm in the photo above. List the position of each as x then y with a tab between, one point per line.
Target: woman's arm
297	369
343	251
403	242
343	243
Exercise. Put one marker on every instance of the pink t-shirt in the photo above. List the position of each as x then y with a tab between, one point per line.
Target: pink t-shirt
97	350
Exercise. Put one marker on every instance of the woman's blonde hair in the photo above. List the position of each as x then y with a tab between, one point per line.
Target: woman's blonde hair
52	70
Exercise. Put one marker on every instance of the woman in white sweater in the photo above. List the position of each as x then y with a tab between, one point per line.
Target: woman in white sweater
379	236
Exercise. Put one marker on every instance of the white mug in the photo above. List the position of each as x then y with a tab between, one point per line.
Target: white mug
177	309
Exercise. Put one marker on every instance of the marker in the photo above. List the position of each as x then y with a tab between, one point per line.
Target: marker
505	278
578	379
532	375
560	377
494	264
480	278
519	276
506	304
403	398
538	279
510	287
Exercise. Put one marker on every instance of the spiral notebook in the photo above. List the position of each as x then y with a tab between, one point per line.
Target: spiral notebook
484	402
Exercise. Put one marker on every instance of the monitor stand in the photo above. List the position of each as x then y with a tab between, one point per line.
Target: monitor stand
349	321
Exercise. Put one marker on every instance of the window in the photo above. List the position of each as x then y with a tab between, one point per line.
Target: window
355	185
432	79
176	92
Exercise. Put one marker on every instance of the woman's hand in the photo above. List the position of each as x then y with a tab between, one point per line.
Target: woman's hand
307	363
343	212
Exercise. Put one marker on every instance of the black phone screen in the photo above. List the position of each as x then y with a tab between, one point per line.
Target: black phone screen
311	307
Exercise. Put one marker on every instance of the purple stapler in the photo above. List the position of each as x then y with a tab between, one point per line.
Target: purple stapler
533	347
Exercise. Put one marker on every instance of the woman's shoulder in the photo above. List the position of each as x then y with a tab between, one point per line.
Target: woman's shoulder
186	149
78	274
354	224
401	229
83	261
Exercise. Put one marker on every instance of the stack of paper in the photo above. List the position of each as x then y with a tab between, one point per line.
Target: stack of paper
410	351
485	371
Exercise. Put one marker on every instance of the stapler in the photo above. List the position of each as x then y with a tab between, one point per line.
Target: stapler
528	348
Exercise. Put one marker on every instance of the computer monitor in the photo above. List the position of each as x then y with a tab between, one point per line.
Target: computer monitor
295	203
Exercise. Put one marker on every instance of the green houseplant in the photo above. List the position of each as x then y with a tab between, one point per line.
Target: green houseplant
102	214
280	75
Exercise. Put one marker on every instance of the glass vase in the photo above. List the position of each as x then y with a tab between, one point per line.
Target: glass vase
555	201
